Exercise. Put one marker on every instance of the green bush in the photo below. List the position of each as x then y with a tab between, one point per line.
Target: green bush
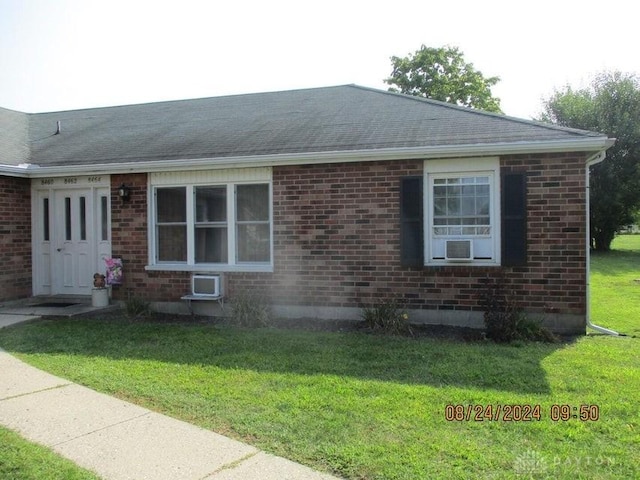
249	310
387	317
136	307
505	321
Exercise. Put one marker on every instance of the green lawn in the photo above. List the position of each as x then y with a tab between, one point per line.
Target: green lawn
373	407
22	460
615	286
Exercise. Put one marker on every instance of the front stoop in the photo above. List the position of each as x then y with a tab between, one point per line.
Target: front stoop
52	306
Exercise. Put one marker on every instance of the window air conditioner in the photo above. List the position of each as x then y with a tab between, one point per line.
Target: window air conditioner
205	285
458	250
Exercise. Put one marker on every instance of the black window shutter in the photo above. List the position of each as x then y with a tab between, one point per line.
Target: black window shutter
514	219
411	222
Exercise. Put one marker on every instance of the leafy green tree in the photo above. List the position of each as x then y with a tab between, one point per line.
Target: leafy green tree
610	105
443	74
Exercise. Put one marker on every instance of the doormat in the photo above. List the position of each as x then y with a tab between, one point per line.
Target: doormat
54	304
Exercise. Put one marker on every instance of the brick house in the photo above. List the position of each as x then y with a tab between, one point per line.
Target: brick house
324	200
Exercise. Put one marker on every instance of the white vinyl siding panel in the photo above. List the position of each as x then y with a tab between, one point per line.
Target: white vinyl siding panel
208	177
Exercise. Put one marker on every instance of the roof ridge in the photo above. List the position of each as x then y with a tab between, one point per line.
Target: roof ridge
405	96
180	100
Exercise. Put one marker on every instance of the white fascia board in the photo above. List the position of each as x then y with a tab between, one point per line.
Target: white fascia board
14	171
588	144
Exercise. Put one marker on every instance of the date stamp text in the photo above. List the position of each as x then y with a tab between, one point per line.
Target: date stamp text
520	413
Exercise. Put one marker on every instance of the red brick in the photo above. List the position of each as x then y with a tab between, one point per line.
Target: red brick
336	241
15	238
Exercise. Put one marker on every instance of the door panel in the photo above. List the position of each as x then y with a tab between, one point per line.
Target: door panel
67	270
74	243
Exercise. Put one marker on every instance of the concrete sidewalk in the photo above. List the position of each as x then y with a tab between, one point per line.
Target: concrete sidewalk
10	319
119	440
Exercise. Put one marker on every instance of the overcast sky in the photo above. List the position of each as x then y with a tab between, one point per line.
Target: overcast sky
69	54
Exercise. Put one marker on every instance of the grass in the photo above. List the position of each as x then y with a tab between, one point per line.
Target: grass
615	286
371	407
23	460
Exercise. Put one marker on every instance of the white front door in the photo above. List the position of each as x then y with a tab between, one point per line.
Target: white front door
71	237
73	262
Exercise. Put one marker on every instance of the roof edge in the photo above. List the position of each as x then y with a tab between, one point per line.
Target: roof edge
22	170
477	111
587	144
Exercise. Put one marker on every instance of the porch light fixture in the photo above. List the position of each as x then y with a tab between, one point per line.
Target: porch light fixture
124	192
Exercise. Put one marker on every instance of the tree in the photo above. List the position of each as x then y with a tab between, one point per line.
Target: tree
610	105
442	74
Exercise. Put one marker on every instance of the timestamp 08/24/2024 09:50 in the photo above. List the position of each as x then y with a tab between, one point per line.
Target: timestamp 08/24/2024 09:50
520	413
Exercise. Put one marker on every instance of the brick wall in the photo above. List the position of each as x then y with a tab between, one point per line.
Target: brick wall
129	241
15	238
554	280
336	235
336	241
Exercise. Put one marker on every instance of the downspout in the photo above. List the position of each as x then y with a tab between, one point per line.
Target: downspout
597	158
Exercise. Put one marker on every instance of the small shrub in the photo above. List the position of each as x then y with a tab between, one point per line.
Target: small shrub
505	321
136	307
249	310
533	330
387	317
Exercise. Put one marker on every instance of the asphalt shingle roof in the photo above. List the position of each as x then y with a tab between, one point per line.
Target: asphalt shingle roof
14	137
342	118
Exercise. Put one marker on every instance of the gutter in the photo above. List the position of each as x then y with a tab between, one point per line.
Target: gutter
592	160
21	171
333	156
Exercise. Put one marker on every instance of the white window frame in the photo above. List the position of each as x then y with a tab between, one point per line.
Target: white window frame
216	178
462	167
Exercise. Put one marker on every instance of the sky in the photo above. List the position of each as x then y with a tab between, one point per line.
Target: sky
69	54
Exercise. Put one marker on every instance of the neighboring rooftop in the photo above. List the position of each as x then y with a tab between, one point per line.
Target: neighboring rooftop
332	119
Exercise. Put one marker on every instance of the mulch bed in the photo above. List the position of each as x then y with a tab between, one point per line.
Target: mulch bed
314	325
